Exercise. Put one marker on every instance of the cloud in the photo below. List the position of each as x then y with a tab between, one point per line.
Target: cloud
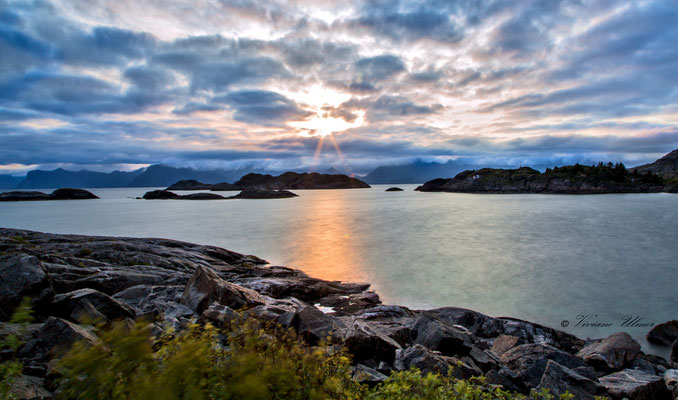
379	67
262	107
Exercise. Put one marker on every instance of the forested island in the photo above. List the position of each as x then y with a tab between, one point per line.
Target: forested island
288	180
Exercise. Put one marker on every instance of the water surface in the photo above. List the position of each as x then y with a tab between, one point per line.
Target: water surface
544	258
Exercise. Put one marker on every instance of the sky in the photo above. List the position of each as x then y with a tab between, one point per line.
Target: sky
278	85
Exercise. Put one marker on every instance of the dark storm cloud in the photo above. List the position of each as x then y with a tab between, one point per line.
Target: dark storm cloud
261	107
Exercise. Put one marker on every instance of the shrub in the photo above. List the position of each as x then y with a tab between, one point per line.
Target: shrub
10	369
85	252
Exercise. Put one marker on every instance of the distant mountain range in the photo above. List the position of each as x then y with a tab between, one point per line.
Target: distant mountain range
162	175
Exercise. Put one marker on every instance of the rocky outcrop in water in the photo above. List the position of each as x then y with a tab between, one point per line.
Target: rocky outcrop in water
394	189
288	180
74	279
59	194
245	194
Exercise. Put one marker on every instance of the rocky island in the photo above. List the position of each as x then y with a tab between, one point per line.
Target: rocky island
59	194
73	279
288	180
659	176
245	194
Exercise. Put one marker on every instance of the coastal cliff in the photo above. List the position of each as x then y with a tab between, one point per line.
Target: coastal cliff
72	279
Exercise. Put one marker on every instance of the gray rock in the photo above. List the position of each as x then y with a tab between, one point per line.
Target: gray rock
365	342
205	288
25	387
506	378
671	381
218	315
664	333
559	380
504	343
530	360
436	335
635	385
84	304
54	338
368	376
611	353
314	325
21	275
426	361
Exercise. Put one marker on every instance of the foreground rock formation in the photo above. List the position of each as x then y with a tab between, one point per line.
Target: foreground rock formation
288	180
72	279
59	194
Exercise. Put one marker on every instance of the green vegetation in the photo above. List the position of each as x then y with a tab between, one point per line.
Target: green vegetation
247	360
20	240
10	369
605	172
85	252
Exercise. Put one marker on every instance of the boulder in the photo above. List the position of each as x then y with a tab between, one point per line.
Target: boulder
218	315
54	338
426	361
394	189
530	360
504	343
480	324
314	325
674	351
559	379
664	333
28	387
21	275
205	288
484	359
368	376
671	381
365	342
506	378
611	353
635	385
78	305
436	335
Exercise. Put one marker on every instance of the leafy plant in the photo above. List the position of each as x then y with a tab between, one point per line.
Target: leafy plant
10	369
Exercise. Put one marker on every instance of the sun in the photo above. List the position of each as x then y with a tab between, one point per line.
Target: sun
323	125
317	100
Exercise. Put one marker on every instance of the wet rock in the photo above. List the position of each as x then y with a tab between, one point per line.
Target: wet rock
504	343
529	361
88	304
205	288
365	342
635	385
434	334
559	380
611	353
664	334
21	275
302	287
350	304
478	323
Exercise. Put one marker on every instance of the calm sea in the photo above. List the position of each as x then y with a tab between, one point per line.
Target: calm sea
544	258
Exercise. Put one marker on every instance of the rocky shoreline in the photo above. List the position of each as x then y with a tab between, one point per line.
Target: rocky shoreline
288	180
71	278
59	194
